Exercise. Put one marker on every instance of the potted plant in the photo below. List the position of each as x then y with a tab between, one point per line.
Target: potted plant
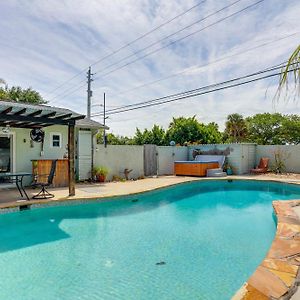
100	173
227	168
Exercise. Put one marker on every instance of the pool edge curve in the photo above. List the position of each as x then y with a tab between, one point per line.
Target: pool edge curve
278	275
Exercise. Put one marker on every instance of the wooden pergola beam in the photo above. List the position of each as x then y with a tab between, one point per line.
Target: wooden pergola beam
5	111
63	116
35	113
49	115
21	125
20	112
39	120
71	154
76	118
16	124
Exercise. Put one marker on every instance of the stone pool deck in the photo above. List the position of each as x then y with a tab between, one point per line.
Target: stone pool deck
278	275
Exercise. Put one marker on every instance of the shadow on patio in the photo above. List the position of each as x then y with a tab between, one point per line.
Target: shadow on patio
10	196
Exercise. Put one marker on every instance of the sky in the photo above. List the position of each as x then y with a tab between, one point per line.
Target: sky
48	45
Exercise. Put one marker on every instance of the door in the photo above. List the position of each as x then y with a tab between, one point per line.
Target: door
245	159
6	155
84	154
150	160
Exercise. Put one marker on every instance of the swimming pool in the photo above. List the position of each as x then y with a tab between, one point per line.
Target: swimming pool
198	240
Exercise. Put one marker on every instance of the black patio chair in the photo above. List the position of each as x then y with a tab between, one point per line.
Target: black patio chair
44	194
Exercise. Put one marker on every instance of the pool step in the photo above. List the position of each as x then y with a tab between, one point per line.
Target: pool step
215	173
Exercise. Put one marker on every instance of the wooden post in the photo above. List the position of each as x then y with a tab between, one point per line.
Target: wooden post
71	155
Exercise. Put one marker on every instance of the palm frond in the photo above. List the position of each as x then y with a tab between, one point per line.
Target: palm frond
291	71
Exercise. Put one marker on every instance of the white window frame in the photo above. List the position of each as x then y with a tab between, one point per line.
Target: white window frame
51	140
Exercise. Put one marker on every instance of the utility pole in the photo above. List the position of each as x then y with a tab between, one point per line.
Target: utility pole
104	118
89	93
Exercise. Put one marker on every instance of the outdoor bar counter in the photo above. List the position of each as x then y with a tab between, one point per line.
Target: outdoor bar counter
194	168
43	166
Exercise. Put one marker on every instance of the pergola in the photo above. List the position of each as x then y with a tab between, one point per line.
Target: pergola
20	115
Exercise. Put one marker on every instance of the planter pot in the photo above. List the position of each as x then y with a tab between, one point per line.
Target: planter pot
229	171
101	178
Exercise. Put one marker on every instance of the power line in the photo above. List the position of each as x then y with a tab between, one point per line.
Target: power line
184	37
71	93
65	92
68	80
180	39
206	92
149	46
205	87
149	32
128	44
195	92
214	13
186	70
172	34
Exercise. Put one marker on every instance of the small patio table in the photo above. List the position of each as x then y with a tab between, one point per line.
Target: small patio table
18	179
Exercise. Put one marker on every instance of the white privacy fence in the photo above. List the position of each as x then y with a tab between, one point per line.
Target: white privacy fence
241	157
118	157
290	155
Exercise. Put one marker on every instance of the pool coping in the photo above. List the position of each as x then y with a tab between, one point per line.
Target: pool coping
278	275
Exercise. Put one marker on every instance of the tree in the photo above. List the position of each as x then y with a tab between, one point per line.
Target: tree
157	135
18	94
114	139
154	136
181	130
266	129
189	130
235	128
185	130
213	135
291	129
273	129
292	69
118	139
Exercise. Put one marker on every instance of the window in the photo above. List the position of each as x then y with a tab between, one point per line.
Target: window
55	140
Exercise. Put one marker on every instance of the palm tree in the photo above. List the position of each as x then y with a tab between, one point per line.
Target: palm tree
236	128
292	69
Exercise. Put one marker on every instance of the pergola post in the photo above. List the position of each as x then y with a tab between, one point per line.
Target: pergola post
71	155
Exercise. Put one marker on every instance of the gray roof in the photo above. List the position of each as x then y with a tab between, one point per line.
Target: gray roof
89	123
16	114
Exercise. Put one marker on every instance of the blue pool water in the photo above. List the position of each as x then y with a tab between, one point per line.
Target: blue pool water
210	235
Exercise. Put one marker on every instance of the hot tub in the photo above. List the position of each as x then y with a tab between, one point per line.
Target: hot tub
194	168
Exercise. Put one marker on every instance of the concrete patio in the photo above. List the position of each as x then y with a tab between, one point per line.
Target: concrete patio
10	197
